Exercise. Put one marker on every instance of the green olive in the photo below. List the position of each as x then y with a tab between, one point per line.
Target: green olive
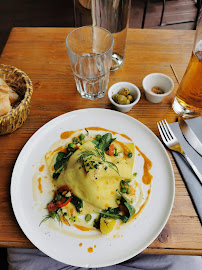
122	99
130	97
124	92
128	101
115	97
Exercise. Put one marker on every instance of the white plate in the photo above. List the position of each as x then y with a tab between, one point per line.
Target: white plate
135	237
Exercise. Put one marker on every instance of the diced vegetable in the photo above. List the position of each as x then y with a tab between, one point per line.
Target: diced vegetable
107	225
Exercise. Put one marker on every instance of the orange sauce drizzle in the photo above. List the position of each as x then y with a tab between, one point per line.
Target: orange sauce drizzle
80	244
125	149
41	168
39	185
82	228
113	132
64	220
90	249
58	149
67	134
147	177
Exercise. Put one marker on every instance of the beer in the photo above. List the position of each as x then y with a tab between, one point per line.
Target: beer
189	94
188	101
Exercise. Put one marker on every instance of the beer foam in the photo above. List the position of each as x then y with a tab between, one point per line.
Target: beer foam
198	46
198	50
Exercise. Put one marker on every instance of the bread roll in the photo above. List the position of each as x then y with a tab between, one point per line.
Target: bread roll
5	105
7	97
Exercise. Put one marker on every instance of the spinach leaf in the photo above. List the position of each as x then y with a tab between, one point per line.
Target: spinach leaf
105	141
96	222
113	213
61	161
78	203
125	201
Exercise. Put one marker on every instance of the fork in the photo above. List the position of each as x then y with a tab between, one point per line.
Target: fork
172	143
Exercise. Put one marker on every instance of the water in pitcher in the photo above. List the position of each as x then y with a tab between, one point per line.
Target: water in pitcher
189	93
113	15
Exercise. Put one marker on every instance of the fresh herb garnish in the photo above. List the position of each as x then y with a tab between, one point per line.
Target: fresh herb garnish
99	152
55	215
125	201
125	188
61	161
78	203
96	222
113	213
105	141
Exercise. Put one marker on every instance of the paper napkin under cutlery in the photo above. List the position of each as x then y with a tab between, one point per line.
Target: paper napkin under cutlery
191	181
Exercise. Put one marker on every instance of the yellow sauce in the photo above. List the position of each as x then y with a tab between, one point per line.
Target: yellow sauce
82	228
125	149
39	185
90	249
60	148
64	220
41	168
147	177
67	134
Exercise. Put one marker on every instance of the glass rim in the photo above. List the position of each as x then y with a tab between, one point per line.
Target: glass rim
90	56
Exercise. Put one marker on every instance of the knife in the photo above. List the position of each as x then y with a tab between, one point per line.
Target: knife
190	136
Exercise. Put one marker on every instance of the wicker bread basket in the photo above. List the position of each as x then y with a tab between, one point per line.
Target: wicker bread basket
22	85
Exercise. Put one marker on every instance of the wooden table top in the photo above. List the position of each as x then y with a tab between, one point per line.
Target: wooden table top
41	53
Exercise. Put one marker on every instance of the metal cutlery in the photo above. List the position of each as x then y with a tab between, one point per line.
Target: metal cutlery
172	143
190	136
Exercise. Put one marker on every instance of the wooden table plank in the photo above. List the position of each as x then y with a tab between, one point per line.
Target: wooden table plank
41	53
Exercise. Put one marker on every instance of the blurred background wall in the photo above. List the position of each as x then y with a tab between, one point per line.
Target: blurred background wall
71	13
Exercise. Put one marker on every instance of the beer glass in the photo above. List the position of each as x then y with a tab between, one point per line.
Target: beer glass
188	100
90	54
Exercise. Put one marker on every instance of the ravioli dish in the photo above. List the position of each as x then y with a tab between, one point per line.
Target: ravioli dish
93	183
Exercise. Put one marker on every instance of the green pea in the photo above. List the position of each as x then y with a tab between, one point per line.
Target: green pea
116	152
88	217
70	145
129	154
128	191
75	140
82	136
